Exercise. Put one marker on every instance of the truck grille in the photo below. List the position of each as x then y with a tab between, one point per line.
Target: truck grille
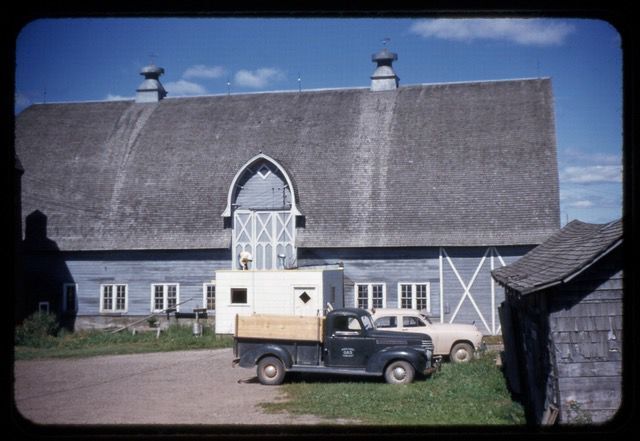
427	344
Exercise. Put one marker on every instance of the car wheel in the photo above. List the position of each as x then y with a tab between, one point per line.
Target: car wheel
461	353
399	372
271	371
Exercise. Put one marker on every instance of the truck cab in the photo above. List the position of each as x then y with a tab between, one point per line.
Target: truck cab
349	345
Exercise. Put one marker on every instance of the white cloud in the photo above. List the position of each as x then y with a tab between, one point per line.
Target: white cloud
592	174
259	78
111	97
202	71
581	204
576	156
534	32
184	87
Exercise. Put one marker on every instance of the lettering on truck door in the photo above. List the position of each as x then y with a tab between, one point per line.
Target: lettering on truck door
348	345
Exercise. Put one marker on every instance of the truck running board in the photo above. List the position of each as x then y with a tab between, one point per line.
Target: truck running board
331	370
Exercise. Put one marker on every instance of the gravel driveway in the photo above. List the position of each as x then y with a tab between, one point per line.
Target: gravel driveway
189	387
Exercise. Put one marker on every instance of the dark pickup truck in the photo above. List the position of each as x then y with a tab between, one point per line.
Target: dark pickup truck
346	343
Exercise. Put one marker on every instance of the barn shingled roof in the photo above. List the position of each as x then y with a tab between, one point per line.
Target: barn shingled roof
458	164
564	255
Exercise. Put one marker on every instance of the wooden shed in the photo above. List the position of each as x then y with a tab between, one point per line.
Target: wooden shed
562	325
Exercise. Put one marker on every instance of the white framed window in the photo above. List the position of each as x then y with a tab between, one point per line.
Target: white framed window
69	297
414	296
164	296
209	296
370	295
113	298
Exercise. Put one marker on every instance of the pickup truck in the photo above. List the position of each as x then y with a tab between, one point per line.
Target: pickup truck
344	342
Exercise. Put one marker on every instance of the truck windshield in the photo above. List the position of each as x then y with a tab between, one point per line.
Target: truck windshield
366	322
426	317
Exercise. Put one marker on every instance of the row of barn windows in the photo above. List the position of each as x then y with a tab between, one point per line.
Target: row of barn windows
115	297
410	295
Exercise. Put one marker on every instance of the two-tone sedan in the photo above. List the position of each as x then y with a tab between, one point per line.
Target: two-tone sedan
458	342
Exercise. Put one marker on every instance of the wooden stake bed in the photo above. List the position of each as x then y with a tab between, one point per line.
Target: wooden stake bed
280	327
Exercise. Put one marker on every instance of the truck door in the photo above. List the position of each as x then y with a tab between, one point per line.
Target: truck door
348	344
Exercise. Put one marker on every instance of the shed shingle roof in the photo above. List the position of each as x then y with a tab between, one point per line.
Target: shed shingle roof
562	256
427	165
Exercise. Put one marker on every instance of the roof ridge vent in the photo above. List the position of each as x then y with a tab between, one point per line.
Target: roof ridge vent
384	77
150	90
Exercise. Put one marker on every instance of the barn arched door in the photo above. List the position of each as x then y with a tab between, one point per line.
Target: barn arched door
263	210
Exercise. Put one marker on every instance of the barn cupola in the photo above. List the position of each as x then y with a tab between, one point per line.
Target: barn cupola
150	90
384	77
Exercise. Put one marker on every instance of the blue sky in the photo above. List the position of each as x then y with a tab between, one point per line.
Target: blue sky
60	60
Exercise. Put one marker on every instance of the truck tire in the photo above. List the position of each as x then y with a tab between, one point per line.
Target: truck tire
399	372
271	371
461	353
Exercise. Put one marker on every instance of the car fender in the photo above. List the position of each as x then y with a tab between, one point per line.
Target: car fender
251	357
380	359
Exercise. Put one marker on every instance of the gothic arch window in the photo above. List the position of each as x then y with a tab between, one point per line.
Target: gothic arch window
261	206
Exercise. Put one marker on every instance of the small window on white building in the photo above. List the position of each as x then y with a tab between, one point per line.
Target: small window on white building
414	296
69	297
370	295
113	298
164	296
209	296
238	296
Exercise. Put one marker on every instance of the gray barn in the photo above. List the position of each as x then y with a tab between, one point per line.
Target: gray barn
562	325
420	191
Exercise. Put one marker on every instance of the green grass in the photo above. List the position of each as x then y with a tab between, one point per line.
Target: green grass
92	343
460	394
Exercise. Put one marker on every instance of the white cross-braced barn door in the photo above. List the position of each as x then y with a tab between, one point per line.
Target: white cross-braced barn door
266	235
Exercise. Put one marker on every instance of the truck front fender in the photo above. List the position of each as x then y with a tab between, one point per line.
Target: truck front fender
251	357
380	359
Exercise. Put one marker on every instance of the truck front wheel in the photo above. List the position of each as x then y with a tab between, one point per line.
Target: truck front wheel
399	372
270	371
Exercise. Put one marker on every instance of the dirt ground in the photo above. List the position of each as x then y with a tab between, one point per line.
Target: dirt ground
170	388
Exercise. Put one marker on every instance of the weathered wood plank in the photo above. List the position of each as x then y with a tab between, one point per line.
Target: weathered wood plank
590	369
592	393
280	327
594	285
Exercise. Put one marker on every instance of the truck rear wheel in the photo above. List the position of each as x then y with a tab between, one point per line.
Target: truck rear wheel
399	372
271	371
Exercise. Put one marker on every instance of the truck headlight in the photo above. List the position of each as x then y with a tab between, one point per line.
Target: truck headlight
428	353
